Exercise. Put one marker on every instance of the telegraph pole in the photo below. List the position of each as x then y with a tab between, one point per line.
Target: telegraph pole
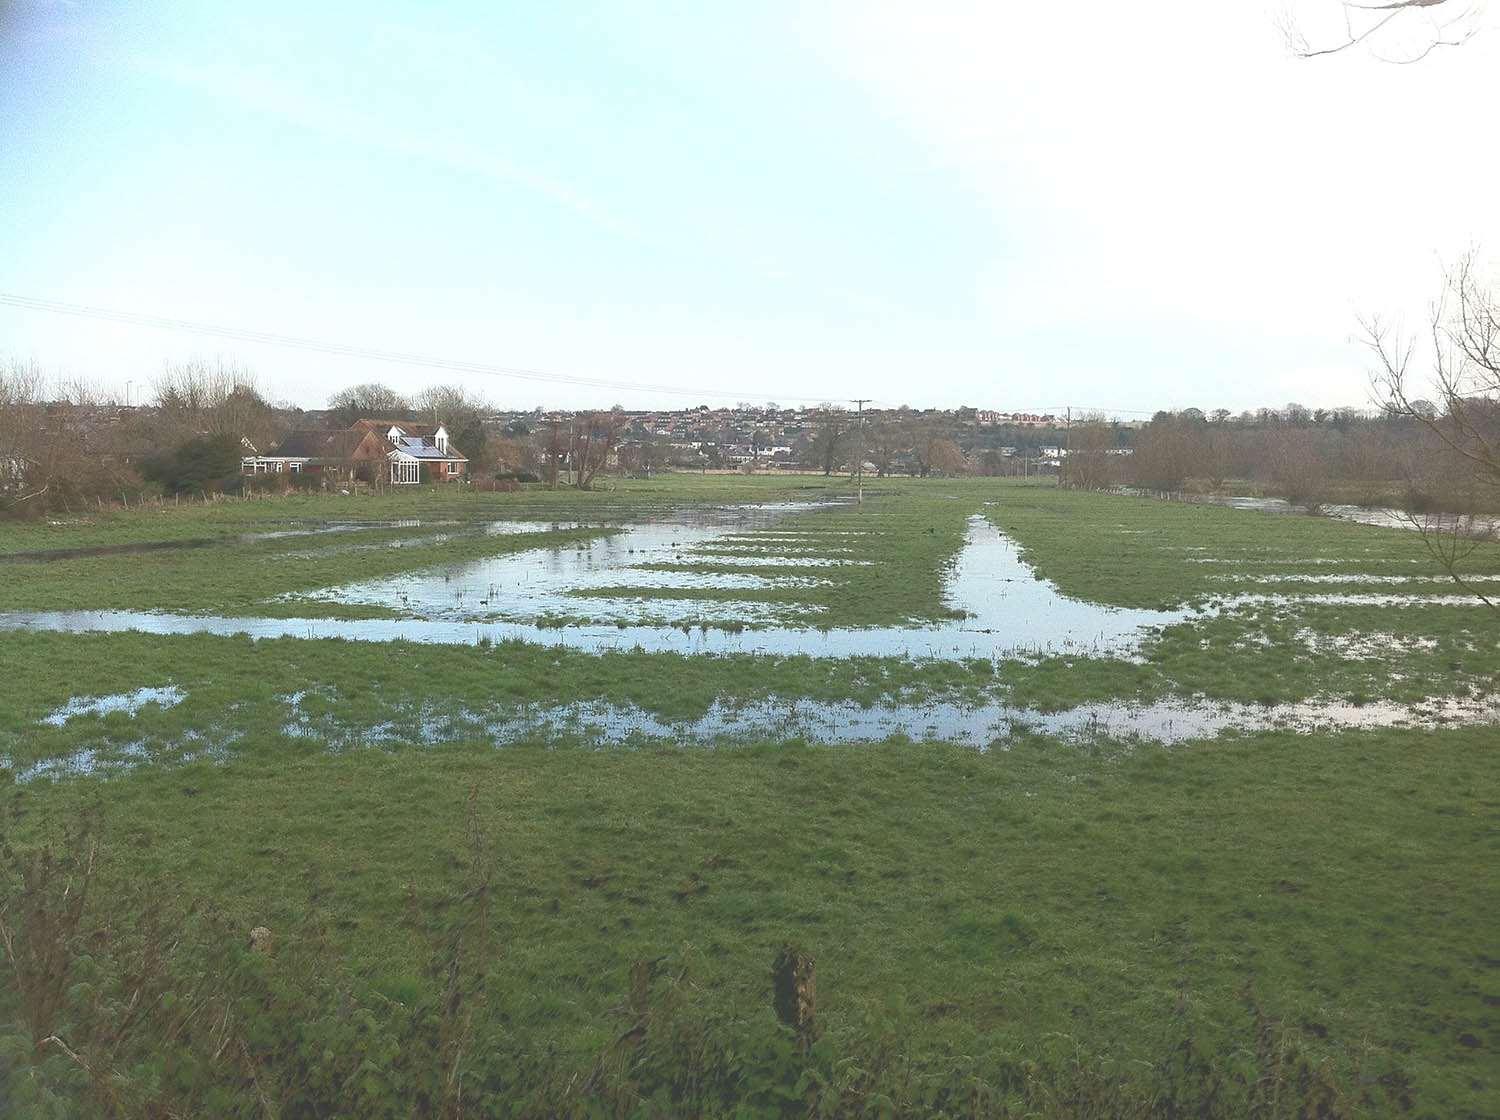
1062	468
859	450
554	445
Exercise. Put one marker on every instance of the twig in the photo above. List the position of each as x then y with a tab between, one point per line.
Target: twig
78	1060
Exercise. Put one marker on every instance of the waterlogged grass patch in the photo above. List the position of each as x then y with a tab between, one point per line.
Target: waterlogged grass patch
233	682
632	499
1141	553
878	564
166	696
247	579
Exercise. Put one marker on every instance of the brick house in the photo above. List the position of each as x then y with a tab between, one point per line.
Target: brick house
410	447
370	450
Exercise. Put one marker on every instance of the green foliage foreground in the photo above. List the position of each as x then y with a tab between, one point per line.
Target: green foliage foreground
1251	926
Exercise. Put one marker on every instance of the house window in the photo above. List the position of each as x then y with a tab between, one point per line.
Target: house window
295	468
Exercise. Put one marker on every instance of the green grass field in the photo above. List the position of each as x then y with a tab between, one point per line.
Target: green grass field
1269	924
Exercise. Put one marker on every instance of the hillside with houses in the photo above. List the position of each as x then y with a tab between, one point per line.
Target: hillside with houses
207	430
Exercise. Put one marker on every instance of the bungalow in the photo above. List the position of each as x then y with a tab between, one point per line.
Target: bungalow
371	449
411	447
339	453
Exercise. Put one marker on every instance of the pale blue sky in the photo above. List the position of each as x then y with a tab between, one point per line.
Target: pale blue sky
1009	206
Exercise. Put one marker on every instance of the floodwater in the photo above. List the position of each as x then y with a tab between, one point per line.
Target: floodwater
989	725
1384	517
1008	611
538	584
127	702
981	725
43	555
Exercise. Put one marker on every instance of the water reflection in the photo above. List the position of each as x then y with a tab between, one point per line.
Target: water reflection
1007	610
1477	525
987	725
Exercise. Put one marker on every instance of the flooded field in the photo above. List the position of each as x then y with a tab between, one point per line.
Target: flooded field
1004	609
1308	628
1385	517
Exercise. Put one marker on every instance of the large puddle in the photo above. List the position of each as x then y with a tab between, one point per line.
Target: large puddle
178	544
1475	525
1007	611
984	726
546	583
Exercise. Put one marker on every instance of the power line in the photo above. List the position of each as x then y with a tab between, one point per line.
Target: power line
859	449
319	346
487	369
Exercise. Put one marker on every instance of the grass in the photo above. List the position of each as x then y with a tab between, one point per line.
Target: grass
237	689
247	578
903	544
1137	552
231	517
1052	928
973	904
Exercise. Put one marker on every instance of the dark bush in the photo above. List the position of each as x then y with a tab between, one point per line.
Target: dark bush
197	466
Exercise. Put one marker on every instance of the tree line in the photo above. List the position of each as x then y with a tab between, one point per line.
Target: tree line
1391	457
64	446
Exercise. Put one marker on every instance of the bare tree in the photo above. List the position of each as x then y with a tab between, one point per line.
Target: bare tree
1091	460
463	414
1464	338
555	449
1463	347
830	437
371	400
923	436
1296	468
946	458
20	430
887	443
53	450
594	439
1166	450
511	453
1409	30
210	397
1219	450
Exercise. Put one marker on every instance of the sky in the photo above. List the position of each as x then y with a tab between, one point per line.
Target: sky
1104	206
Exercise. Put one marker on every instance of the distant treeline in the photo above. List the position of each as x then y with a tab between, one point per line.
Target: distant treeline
63	448
1414	459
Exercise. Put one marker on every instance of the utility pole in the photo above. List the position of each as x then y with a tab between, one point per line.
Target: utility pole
554	445
859	449
1067	445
